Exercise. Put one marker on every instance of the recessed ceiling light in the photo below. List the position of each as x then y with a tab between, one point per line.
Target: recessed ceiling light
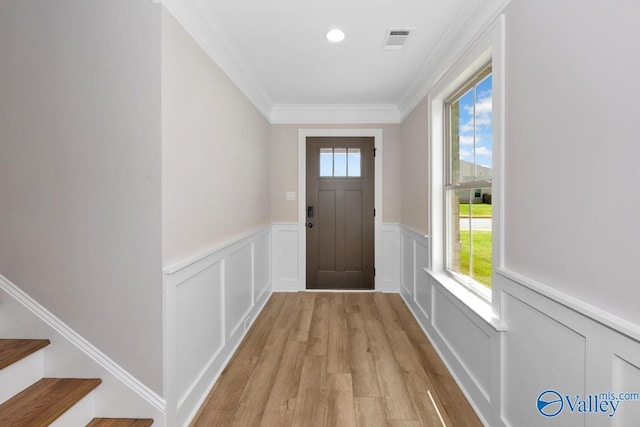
335	35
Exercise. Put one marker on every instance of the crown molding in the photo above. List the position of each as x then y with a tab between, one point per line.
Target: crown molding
334	114
208	36
470	22
469	25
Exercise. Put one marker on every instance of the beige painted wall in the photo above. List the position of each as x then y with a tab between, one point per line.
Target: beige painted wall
215	151
572	148
80	170
284	169
415	168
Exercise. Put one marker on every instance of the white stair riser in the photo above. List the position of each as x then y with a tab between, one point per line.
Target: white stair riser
20	375
79	414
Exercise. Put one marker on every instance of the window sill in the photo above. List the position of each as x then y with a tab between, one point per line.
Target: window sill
468	299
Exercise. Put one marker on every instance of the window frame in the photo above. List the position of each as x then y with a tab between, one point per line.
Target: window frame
487	46
450	186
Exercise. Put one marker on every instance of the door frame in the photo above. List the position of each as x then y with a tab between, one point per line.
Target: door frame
376	133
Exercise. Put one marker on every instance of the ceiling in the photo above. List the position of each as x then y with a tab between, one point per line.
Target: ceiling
277	53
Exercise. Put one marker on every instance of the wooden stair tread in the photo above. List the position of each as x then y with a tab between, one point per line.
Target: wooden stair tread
120	422
44	401
12	350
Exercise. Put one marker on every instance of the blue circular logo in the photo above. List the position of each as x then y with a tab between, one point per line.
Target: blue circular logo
550	403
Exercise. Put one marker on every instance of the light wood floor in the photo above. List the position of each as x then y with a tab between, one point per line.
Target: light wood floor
336	359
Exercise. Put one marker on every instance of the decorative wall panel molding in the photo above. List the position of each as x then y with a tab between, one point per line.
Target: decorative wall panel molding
209	304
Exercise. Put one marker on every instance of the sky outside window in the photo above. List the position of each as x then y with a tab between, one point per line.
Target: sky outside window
475	125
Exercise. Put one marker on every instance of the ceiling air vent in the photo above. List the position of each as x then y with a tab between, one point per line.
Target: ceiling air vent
396	38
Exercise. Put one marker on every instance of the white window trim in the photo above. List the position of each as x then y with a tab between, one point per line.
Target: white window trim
478	76
489	46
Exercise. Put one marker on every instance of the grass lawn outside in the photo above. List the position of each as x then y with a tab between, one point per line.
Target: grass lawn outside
481	245
478	210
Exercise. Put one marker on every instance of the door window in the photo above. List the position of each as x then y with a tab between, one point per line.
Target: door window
340	162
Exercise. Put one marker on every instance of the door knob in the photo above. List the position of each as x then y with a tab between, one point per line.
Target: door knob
310	225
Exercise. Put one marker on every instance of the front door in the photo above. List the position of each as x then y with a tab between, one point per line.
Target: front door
340	212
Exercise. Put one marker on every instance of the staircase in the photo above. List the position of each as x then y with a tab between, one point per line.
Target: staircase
35	401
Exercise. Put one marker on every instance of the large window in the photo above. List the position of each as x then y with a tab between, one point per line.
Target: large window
468	172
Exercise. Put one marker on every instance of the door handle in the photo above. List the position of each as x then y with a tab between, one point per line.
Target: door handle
310	225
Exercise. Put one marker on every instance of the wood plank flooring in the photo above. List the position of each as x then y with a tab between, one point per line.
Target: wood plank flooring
335	359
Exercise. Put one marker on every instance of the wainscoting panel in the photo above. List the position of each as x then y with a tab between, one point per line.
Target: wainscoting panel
414	258
555	342
288	270
408	263
537	340
626	379
466	340
199	301
540	354
210	301
387	268
238	293
262	263
422	295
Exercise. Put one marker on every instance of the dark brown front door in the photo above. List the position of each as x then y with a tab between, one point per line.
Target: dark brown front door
340	216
